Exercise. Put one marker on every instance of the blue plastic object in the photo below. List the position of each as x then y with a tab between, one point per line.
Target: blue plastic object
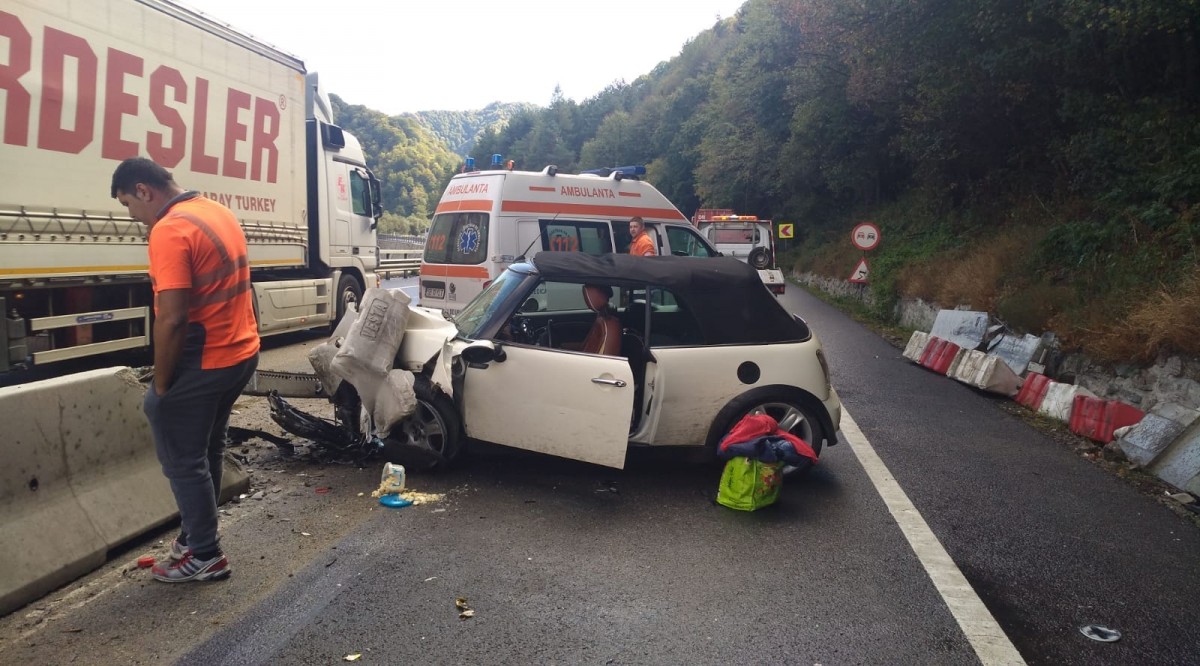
394	501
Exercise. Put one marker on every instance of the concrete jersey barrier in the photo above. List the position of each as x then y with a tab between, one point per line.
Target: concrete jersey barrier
80	478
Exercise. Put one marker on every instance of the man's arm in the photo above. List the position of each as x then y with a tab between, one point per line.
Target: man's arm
170	331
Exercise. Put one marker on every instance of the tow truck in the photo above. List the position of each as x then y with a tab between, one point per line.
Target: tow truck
745	237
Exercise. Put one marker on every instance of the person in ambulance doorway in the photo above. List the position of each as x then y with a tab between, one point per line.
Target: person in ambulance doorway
205	350
641	245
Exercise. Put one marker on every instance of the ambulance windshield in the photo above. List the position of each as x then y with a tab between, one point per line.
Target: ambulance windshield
457	238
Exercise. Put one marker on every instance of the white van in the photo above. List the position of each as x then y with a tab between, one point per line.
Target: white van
486	220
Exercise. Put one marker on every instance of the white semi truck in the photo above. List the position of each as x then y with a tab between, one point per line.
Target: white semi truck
84	85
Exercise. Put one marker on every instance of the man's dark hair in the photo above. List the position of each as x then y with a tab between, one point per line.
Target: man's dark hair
139	170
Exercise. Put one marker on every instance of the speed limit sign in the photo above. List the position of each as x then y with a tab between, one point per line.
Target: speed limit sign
866	236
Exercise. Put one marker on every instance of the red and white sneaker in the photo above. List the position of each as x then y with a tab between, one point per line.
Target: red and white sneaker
188	569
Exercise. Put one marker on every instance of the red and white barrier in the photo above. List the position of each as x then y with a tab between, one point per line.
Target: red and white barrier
1059	400
987	373
1096	418
940	355
916	346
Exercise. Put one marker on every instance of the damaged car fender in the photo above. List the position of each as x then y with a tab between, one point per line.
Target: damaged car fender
429	341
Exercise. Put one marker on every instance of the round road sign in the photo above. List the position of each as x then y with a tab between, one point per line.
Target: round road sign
866	236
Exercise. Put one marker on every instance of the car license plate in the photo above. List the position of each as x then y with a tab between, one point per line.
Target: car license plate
435	292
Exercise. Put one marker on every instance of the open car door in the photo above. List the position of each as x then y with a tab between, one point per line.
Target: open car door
566	404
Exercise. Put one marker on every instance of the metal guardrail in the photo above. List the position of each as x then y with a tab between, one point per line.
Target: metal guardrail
399	262
401	242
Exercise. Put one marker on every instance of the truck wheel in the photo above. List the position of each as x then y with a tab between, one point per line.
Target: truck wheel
431	439
348	291
760	258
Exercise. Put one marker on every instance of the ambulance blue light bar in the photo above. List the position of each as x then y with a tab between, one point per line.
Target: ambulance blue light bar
632	171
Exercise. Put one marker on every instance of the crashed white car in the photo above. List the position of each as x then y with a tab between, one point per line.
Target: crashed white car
581	356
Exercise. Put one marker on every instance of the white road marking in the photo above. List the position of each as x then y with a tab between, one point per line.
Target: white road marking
991	644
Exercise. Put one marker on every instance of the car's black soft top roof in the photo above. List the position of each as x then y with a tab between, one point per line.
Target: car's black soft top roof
726	296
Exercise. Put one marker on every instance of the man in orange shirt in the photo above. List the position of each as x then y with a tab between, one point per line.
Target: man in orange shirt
205	350
641	245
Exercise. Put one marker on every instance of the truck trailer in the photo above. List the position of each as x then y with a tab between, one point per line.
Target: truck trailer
84	85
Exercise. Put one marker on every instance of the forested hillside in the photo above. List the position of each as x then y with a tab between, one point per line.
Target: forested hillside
460	129
1039	159
415	155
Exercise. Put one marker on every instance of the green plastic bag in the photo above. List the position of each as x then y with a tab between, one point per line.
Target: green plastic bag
748	484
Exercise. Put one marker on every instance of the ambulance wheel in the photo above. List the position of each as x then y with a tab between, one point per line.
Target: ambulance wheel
431	440
349	291
792	409
760	258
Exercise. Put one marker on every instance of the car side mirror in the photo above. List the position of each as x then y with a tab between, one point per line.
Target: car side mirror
478	354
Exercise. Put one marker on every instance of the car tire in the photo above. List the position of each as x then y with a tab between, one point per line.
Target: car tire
760	258
431	440
783	405
348	291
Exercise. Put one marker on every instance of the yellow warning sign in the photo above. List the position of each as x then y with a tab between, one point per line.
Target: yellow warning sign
787	230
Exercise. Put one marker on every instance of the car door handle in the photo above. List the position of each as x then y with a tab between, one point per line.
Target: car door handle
619	383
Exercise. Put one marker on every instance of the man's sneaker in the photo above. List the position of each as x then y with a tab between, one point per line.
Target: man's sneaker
178	550
189	568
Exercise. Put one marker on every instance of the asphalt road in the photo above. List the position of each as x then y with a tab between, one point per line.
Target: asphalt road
567	562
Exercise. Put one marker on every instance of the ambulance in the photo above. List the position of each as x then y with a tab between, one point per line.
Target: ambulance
489	219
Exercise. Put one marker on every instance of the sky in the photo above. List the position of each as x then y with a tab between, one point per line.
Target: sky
399	56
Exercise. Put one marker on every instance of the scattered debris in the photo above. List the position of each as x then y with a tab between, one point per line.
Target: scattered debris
461	603
465	610
466	615
1100	633
431	578
258	495
305	534
330	562
395	501
352	657
391	481
1182	498
145	562
323	490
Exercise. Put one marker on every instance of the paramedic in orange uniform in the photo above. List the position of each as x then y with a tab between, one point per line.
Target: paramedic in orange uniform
641	245
205	350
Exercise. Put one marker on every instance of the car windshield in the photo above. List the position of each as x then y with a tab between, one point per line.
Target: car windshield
483	309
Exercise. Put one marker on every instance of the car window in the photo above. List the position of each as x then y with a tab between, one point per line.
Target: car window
569	236
671	324
485	308
553	297
734	235
623	239
686	243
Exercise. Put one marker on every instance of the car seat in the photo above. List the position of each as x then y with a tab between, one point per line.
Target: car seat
605	335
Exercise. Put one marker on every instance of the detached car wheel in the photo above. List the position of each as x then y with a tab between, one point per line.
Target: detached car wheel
792	415
431	439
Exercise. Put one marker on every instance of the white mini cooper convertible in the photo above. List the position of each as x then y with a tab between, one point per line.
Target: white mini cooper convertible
581	356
